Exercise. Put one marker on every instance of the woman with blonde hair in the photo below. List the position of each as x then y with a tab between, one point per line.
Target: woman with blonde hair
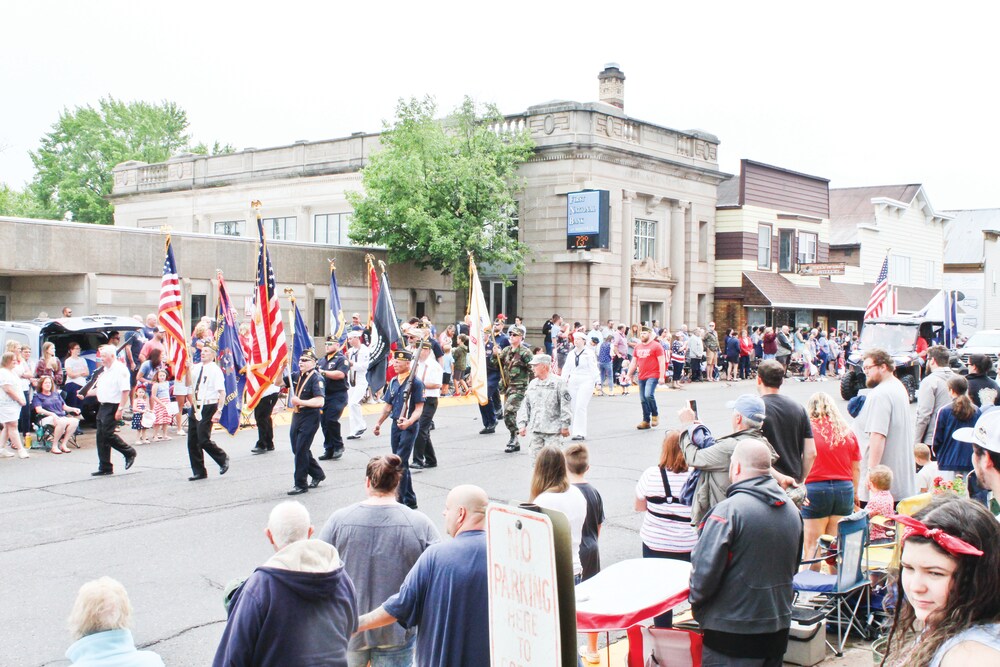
550	488
48	366
99	622
832	484
11	402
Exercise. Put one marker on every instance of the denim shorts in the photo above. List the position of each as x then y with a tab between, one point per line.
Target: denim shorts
829	498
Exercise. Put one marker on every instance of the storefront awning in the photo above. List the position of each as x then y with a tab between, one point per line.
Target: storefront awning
773	290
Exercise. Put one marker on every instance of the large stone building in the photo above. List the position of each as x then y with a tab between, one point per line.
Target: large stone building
658	213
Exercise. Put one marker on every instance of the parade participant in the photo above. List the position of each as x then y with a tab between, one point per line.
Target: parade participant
933	393
446	593
460	355
333	368
207	392
580	374
431	376
99	623
112	391
787	427
358	356
985	439
262	416
362	531
404	401
545	412
948	612
755	535
649	360
493	410
888	425
298	608
308	397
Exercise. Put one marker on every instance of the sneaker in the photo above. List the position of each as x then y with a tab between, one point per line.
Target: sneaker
6	453
655	421
642	426
23	453
588	657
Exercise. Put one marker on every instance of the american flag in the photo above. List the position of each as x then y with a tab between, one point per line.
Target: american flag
877	301
170	315
268	351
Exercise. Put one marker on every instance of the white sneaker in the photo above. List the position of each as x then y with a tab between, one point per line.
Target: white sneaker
23	453
6	453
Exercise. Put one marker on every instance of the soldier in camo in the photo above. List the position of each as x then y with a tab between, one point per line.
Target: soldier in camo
515	361
545	412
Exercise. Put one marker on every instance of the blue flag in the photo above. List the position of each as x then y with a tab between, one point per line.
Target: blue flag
231	360
336	309
303	339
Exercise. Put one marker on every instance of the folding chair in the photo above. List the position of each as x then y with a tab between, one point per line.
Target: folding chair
842	593
663	646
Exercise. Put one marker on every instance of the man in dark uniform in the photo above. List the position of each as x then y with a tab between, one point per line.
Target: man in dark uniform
404	402
334	368
493	410
307	400
516	363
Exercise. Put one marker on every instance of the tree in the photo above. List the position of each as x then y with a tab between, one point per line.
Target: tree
18	203
438	190
74	162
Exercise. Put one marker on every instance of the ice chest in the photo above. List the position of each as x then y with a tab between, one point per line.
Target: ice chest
806	642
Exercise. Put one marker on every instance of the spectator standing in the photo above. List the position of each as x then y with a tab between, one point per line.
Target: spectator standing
578	463
298	608
621	349
380	540
769	344
550	488
954	456
888	424
48	366
985	439
732	355
927	470
99	623
11	402
445	596
933	393
696	354
787	427
783	352
983	390
649	361
755	535
746	349
605	361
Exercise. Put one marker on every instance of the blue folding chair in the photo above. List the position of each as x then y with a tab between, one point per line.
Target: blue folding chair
847	593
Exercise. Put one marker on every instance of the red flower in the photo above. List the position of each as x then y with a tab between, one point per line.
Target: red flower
938	480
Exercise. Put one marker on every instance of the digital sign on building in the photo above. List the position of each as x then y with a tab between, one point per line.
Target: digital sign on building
587	219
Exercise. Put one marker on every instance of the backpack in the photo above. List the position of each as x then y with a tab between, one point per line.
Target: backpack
547	329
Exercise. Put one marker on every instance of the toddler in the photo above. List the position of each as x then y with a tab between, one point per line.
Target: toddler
139	406
927	470
625	380
880	501
159	401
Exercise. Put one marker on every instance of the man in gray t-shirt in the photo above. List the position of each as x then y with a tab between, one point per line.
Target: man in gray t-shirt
889	425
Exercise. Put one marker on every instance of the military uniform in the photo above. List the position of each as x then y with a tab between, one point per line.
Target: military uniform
402	439
515	362
544	412
305	423
334	403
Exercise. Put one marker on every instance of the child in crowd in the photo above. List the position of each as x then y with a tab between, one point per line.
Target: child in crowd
577	464
459	355
447	363
159	398
139	406
927	470
880	501
624	379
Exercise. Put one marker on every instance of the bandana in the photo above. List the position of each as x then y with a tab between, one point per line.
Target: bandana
953	545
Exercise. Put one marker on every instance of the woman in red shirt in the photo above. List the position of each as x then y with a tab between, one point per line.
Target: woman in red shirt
746	348
832	483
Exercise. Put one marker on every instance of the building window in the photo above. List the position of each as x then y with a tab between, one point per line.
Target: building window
230	228
702	309
786	247
280	229
764	246
3	307
645	239
899	270
319	318
807	248
703	241
331	228
756	317
199	307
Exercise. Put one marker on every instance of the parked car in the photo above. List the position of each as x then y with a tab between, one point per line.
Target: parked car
90	332
985	342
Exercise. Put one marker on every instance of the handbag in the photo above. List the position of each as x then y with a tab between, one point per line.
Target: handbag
172	408
148	419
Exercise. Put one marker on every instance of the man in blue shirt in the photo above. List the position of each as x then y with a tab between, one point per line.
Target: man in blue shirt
446	593
404	402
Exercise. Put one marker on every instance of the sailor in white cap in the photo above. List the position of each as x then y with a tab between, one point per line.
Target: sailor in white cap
358	356
581	373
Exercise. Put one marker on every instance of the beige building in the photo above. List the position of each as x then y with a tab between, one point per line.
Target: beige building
659	221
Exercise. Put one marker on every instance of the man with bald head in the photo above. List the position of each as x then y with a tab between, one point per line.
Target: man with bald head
754	535
445	595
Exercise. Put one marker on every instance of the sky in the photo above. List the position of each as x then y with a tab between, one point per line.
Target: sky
861	93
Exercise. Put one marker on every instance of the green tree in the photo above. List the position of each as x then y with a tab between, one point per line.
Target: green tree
18	203
438	190
74	162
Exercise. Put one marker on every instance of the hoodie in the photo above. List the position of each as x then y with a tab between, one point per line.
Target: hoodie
747	553
110	648
298	608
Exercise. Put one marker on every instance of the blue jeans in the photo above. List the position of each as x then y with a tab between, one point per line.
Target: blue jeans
647	395
390	656
607	376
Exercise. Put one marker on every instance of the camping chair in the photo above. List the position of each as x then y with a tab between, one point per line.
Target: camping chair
663	646
842	593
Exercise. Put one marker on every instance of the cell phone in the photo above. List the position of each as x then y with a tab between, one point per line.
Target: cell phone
693	404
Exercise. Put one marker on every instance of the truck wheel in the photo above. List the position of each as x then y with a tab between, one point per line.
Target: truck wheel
910	383
848	387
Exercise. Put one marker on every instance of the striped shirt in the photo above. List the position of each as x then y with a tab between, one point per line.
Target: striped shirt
661	534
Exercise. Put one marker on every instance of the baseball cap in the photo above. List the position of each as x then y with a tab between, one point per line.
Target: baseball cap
986	432
750	406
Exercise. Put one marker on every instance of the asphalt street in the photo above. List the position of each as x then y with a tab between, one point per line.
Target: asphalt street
175	544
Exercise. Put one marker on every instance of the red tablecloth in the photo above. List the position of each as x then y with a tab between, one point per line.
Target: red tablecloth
629	592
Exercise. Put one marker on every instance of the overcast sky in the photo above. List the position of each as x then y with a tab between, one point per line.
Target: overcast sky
862	93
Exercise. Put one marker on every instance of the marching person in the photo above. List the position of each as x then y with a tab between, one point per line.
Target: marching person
208	392
262	416
516	363
649	360
112	390
545	412
307	401
581	373
404	402
333	368
358	356
431	376
491	412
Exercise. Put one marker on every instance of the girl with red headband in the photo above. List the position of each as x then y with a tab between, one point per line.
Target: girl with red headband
949	587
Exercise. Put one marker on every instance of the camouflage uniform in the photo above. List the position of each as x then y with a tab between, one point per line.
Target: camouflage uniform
515	362
544	412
